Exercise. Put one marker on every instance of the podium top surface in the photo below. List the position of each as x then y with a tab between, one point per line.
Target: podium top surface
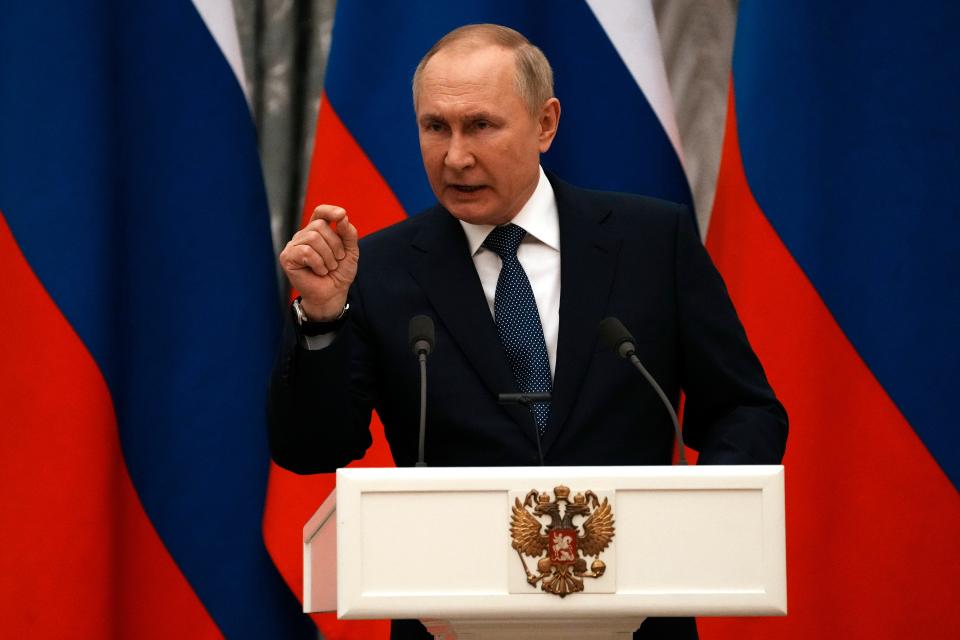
513	474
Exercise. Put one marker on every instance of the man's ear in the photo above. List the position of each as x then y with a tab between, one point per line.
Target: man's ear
548	120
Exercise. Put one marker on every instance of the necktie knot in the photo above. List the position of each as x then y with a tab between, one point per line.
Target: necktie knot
505	240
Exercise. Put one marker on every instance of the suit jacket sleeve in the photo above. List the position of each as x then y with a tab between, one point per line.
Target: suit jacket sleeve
731	415
320	401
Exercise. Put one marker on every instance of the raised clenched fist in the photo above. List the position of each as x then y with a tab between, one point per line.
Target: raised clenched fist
321	262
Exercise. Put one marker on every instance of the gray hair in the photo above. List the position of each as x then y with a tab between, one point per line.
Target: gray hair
533	74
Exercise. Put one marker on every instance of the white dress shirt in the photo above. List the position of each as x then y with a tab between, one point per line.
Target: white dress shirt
539	255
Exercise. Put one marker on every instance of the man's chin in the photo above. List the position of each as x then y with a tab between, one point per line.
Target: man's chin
470	213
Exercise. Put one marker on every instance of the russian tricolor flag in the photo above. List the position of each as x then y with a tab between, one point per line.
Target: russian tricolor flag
835	226
138	308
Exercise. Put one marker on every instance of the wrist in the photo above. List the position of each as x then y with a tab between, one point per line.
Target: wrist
307	326
327	312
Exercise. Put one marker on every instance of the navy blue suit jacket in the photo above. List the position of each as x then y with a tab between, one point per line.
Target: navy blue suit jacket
635	258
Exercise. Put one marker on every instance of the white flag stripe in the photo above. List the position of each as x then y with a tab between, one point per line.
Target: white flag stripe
632	29
220	21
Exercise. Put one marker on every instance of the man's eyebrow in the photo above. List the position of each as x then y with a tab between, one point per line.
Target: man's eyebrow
471	116
430	117
477	115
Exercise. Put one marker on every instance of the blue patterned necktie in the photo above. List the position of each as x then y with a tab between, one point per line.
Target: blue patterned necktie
518	322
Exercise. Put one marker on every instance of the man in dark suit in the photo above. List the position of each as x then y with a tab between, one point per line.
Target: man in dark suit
517	268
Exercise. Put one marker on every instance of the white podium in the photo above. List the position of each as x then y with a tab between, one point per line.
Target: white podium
436	544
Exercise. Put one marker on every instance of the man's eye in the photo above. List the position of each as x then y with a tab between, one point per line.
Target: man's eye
482	124
435	127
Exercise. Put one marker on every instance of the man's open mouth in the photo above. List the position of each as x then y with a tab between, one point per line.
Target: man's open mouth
467	188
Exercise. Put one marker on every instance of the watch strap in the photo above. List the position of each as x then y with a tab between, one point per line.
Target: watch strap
309	327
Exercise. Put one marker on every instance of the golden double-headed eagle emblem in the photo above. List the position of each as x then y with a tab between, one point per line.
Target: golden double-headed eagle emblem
561	546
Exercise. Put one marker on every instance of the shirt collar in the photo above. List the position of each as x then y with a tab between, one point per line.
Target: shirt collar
538	217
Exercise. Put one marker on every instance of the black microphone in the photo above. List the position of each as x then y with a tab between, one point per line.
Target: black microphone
619	340
421	334
422	338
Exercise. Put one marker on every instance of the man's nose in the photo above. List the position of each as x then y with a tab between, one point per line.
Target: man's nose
459	155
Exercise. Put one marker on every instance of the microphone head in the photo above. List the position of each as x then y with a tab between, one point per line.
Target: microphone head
421	334
616	337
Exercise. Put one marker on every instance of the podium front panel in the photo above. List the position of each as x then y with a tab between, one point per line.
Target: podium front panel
437	542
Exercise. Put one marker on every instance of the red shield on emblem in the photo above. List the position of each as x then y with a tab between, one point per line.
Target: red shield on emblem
562	545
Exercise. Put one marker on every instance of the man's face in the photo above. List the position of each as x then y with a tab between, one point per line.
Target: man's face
480	144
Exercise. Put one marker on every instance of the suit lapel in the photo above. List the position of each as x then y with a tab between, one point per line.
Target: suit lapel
448	277
588	256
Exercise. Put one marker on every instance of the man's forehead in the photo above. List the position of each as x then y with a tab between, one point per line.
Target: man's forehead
464	60
485	77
